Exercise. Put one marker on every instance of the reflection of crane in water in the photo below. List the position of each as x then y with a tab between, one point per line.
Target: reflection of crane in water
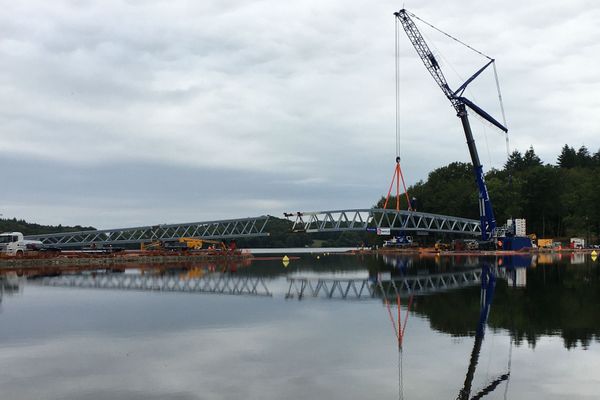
488	287
393	289
399	330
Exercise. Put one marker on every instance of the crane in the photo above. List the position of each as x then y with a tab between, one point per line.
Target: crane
460	104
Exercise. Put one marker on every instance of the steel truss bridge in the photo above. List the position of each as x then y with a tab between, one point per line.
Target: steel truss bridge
224	229
214	283
373	219
364	289
377	218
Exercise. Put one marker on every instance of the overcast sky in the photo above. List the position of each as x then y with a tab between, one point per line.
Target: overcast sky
120	113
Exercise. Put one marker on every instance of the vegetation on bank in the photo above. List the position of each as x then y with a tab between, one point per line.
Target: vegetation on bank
29	228
558	200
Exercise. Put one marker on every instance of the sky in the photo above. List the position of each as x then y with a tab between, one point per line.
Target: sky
124	113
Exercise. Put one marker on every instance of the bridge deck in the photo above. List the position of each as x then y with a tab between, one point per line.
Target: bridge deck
376	218
224	229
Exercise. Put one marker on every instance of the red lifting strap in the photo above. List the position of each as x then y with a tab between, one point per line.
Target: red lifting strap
397	177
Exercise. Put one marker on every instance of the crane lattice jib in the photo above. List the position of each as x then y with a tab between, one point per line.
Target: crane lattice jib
426	55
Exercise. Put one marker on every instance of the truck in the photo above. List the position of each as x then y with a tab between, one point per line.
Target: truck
14	244
577	243
399	242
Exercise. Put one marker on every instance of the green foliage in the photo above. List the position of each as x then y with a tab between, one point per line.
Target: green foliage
27	228
437	196
567	157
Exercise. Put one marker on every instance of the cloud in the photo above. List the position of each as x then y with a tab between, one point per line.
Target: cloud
300	93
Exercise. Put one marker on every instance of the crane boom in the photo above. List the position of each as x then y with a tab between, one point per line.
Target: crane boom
460	104
426	54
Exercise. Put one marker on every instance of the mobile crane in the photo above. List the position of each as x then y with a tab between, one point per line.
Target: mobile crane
490	234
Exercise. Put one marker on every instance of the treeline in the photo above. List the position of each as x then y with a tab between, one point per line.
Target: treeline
280	235
558	200
28	228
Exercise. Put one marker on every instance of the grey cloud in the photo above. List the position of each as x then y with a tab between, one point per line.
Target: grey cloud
264	92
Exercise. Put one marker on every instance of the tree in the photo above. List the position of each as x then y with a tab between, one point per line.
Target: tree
540	195
530	159
514	162
567	157
596	159
584	158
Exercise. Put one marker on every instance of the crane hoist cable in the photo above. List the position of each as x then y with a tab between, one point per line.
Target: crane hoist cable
450	36
501	108
398	176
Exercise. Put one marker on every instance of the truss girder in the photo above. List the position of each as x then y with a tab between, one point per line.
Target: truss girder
210	283
361	289
225	229
374	218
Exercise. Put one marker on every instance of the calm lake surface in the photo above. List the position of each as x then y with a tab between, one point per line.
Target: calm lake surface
266	331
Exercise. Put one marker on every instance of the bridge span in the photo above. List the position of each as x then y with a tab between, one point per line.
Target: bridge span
377	218
366	219
223	229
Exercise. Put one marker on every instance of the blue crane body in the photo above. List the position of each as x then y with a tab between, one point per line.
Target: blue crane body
460	104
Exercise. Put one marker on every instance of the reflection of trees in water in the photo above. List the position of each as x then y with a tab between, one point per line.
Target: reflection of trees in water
425	263
9	285
558	300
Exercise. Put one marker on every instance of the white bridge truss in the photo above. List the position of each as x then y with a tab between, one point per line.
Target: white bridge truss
224	229
376	218
214	283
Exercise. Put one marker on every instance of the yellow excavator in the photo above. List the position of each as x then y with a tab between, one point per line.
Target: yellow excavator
184	243
197	244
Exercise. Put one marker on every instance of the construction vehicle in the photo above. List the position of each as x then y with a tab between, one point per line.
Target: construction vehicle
491	235
577	243
441	246
14	244
401	241
183	244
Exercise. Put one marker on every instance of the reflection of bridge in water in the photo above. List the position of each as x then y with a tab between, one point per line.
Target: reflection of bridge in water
214	283
363	289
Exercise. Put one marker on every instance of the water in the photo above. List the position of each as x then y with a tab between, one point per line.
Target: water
266	342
